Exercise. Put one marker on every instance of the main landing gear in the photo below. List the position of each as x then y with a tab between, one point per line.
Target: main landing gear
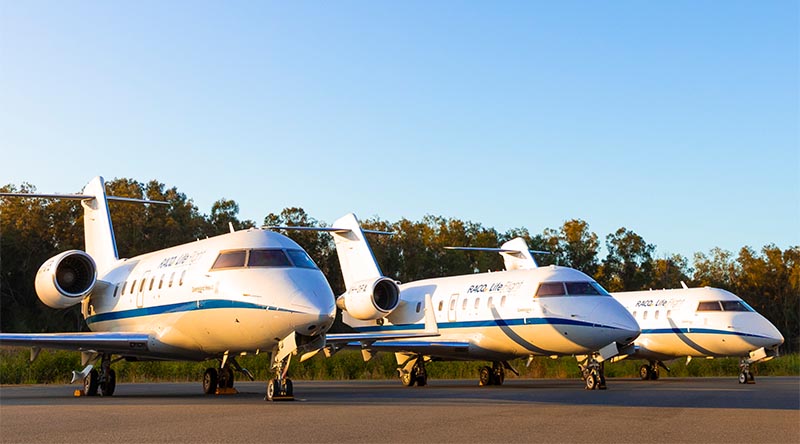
745	375
593	373
496	374
102	382
650	372
220	381
412	371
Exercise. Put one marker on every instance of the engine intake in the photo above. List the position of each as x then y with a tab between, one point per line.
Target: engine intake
64	280
371	299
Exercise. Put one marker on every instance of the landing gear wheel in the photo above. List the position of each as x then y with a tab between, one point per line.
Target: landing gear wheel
210	381
272	389
742	378
591	381
288	387
485	376
751	378
498	375
406	379
644	372
422	380
225	378
110	384
90	383
654	374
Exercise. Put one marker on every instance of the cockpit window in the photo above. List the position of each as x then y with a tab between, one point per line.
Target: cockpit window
550	289
584	288
230	259
572	289
726	306
709	306
735	306
301	259
268	258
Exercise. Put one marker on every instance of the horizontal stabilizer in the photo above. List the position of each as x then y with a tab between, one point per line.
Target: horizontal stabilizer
330	229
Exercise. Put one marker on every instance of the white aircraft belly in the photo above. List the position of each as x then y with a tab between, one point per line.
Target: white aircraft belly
695	342
206	331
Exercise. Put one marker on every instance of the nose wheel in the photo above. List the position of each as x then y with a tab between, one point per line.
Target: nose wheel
593	373
745	375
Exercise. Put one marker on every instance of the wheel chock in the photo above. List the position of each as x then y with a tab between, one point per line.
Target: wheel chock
282	398
77	393
226	391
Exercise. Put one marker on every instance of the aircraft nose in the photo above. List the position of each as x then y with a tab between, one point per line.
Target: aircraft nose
767	335
314	303
624	328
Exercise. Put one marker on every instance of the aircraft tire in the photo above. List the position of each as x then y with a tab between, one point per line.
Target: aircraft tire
742	378
654	374
210	381
644	372
288	387
90	383
107	388
422	380
591	381
485	376
225	379
271	388
406	379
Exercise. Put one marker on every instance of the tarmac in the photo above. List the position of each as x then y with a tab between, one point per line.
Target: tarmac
669	410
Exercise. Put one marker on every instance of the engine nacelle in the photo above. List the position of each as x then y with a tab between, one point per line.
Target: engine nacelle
371	299
64	280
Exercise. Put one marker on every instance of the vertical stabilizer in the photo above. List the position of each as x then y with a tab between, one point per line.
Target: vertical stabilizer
355	255
98	231
518	257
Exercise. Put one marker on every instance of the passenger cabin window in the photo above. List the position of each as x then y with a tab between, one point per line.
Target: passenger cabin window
634	314
644	315
230	259
441	305
709	306
464	304
123	287
477	303
452	304
133	286
655	316
489	302
268	258
152	279
301	259
419	306
183	275
161	282
503	301
171	278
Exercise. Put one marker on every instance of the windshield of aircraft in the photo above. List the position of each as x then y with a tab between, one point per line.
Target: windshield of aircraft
723	306
263	258
570	289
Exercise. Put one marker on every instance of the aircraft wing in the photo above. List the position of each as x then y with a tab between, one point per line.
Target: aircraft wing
102	342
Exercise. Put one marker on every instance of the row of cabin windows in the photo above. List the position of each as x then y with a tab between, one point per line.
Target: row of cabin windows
142	283
570	289
655	315
263	258
476	304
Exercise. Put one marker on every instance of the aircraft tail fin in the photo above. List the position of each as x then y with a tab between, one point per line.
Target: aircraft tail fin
355	255
515	252
98	230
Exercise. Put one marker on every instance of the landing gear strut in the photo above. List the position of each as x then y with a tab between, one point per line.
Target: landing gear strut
745	375
413	371
593	373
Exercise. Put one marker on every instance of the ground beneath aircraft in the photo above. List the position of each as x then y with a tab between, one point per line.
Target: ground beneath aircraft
667	410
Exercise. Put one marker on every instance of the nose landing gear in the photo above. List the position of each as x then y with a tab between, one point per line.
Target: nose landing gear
650	372
593	373
745	375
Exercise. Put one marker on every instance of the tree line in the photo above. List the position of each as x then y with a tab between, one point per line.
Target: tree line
33	230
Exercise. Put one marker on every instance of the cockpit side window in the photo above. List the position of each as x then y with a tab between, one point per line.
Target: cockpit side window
301	259
735	306
550	289
709	306
582	288
268	258
230	259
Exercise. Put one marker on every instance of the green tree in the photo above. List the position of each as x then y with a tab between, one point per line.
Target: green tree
629	263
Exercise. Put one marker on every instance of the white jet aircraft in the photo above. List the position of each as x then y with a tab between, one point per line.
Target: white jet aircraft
698	322
241	292
694	322
525	311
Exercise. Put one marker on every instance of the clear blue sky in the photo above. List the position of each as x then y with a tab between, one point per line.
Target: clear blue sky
678	120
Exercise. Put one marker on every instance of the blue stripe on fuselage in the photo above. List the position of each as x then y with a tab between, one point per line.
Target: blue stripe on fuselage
484	323
676	331
179	307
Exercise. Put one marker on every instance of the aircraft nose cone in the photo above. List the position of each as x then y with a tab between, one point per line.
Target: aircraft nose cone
624	328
